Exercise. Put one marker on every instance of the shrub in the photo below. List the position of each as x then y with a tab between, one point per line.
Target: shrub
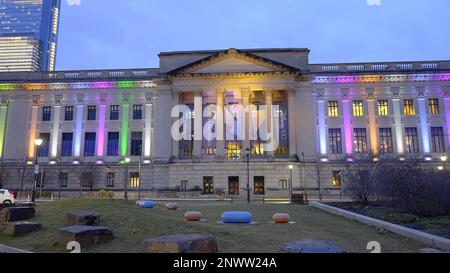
106	194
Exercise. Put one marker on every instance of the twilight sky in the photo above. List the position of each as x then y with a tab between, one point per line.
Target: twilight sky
111	34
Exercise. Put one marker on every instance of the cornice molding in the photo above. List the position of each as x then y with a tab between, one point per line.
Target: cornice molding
336	79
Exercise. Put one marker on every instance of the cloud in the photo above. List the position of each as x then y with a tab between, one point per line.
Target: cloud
374	2
73	2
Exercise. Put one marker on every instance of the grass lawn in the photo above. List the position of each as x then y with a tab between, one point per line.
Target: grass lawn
132	225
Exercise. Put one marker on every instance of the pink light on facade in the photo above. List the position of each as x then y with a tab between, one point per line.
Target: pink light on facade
347	126
102	85
101	130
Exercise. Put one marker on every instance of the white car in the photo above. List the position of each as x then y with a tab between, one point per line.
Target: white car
6	198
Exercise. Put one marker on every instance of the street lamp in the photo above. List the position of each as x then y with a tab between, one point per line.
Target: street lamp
248	174
290	183
37	143
125	177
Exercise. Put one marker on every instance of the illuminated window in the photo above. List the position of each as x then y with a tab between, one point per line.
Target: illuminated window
333	109
233	185
258	185
408	107
411	140
335	141
234	150
386	140
110	177
358	108
437	139
336	181
434	106
257	147
134	180
208	185
383	108
360	140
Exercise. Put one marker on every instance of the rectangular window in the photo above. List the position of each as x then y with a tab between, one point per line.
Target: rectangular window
63	177
437	139
137	111
114	112
335	141
360	140
358	108
337	179
66	144
411	140
208	185
408	107
434	106
283	184
233	185
258	185
86	179
386	140
134	180
333	108
92	112
383	108
68	113
43	149
233	150
110	177
89	144
46	113
184	185
136	143
113	144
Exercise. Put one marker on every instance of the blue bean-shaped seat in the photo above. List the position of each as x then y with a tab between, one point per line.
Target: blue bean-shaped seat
147	204
236	217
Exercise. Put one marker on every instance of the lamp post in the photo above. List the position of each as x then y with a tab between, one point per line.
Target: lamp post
125	178
290	183
444	161
139	170
37	143
248	174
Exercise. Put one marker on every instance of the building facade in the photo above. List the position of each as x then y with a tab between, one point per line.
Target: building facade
36	20
327	114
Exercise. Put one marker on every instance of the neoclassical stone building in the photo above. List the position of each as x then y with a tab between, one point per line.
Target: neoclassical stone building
91	121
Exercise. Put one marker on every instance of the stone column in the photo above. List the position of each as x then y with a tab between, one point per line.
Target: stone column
198	124
397	120
148	124
447	113
220	145
55	130
372	120
292	123
245	94
423	120
101	134
124	125
3	117
175	144
33	126
270	126
79	125
161	146
17	130
322	124
348	134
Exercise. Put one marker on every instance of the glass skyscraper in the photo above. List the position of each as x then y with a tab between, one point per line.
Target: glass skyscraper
32	20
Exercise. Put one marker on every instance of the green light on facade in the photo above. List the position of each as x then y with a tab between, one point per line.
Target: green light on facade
126	84
124	131
3	113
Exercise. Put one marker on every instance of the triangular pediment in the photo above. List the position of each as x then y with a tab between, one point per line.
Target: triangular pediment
233	61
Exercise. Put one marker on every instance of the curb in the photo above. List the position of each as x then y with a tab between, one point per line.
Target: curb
8	249
420	236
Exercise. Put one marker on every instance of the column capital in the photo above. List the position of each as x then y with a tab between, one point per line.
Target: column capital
220	92
420	91
245	93
58	98
344	93
80	99
103	98
149	98
370	93
36	100
4	100
126	98
395	92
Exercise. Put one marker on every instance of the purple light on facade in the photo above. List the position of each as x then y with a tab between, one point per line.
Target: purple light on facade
101	130
346	79
347	127
447	118
99	162
102	85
